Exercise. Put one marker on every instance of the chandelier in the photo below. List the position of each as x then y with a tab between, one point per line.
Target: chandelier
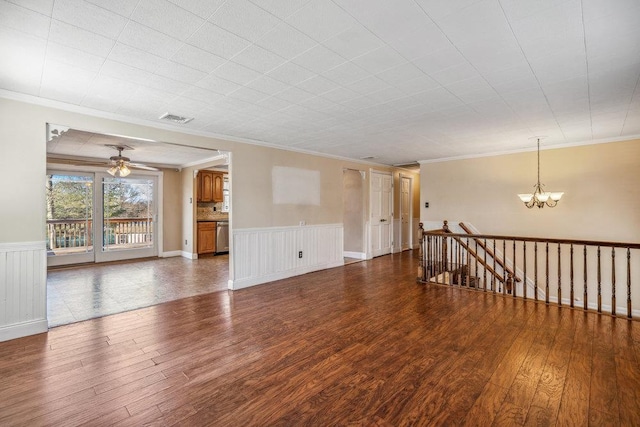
539	197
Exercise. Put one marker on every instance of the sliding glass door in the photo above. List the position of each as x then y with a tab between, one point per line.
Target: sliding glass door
93	217
128	213
70	218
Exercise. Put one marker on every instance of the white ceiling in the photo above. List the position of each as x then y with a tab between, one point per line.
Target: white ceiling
399	80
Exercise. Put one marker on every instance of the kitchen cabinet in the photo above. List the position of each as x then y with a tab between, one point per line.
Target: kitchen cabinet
210	185
218	185
206	237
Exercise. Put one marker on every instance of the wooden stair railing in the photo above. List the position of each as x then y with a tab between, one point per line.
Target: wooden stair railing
487	268
491	254
566	272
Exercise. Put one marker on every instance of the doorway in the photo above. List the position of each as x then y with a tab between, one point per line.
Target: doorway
93	217
353	213
381	225
406	209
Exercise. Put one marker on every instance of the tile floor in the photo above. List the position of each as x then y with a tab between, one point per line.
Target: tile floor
88	291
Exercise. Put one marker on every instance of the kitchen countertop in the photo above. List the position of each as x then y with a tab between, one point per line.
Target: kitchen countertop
221	219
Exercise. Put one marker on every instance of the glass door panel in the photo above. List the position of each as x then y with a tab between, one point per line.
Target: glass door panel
128	218
69	227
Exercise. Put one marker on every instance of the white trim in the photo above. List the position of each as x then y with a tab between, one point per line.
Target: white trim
206	161
170	254
53	167
253	281
188	255
23	246
288	227
23	329
357	255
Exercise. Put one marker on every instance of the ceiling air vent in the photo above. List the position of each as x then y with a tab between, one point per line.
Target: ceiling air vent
175	119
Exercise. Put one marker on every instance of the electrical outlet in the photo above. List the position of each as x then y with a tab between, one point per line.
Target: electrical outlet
300	254
185	243
426	204
303	223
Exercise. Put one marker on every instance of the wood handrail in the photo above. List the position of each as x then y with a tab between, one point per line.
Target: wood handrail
545	240
481	261
595	287
490	252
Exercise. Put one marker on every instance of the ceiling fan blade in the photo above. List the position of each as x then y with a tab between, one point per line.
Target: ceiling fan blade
77	162
141	166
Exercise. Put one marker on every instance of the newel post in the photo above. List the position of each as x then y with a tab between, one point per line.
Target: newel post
422	268
445	246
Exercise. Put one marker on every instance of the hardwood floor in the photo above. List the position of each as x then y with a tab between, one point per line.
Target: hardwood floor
362	344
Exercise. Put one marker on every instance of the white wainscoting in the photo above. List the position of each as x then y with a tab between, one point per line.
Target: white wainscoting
23	289
263	255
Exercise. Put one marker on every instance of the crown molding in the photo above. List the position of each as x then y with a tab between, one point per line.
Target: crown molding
43	102
526	150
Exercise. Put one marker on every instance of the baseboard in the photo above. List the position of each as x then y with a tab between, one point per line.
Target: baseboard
171	254
188	255
356	255
24	329
253	281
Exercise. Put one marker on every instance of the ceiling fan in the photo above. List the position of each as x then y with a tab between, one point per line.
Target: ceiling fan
120	165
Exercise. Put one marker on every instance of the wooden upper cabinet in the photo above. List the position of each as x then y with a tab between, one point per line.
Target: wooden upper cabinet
210	185
205	186
218	183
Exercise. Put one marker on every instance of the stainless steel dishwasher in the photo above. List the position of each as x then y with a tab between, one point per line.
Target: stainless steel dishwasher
222	237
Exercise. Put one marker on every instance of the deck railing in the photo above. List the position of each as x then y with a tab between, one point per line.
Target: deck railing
592	275
77	233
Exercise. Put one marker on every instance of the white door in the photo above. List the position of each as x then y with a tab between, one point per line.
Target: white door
405	213
381	213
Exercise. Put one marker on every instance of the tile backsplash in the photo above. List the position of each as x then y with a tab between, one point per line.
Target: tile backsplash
211	211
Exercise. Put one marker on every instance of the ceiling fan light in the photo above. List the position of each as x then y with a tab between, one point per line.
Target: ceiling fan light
124	171
113	170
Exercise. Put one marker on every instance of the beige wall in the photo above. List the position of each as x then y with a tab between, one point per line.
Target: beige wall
601	184
22	175
353	211
172	210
